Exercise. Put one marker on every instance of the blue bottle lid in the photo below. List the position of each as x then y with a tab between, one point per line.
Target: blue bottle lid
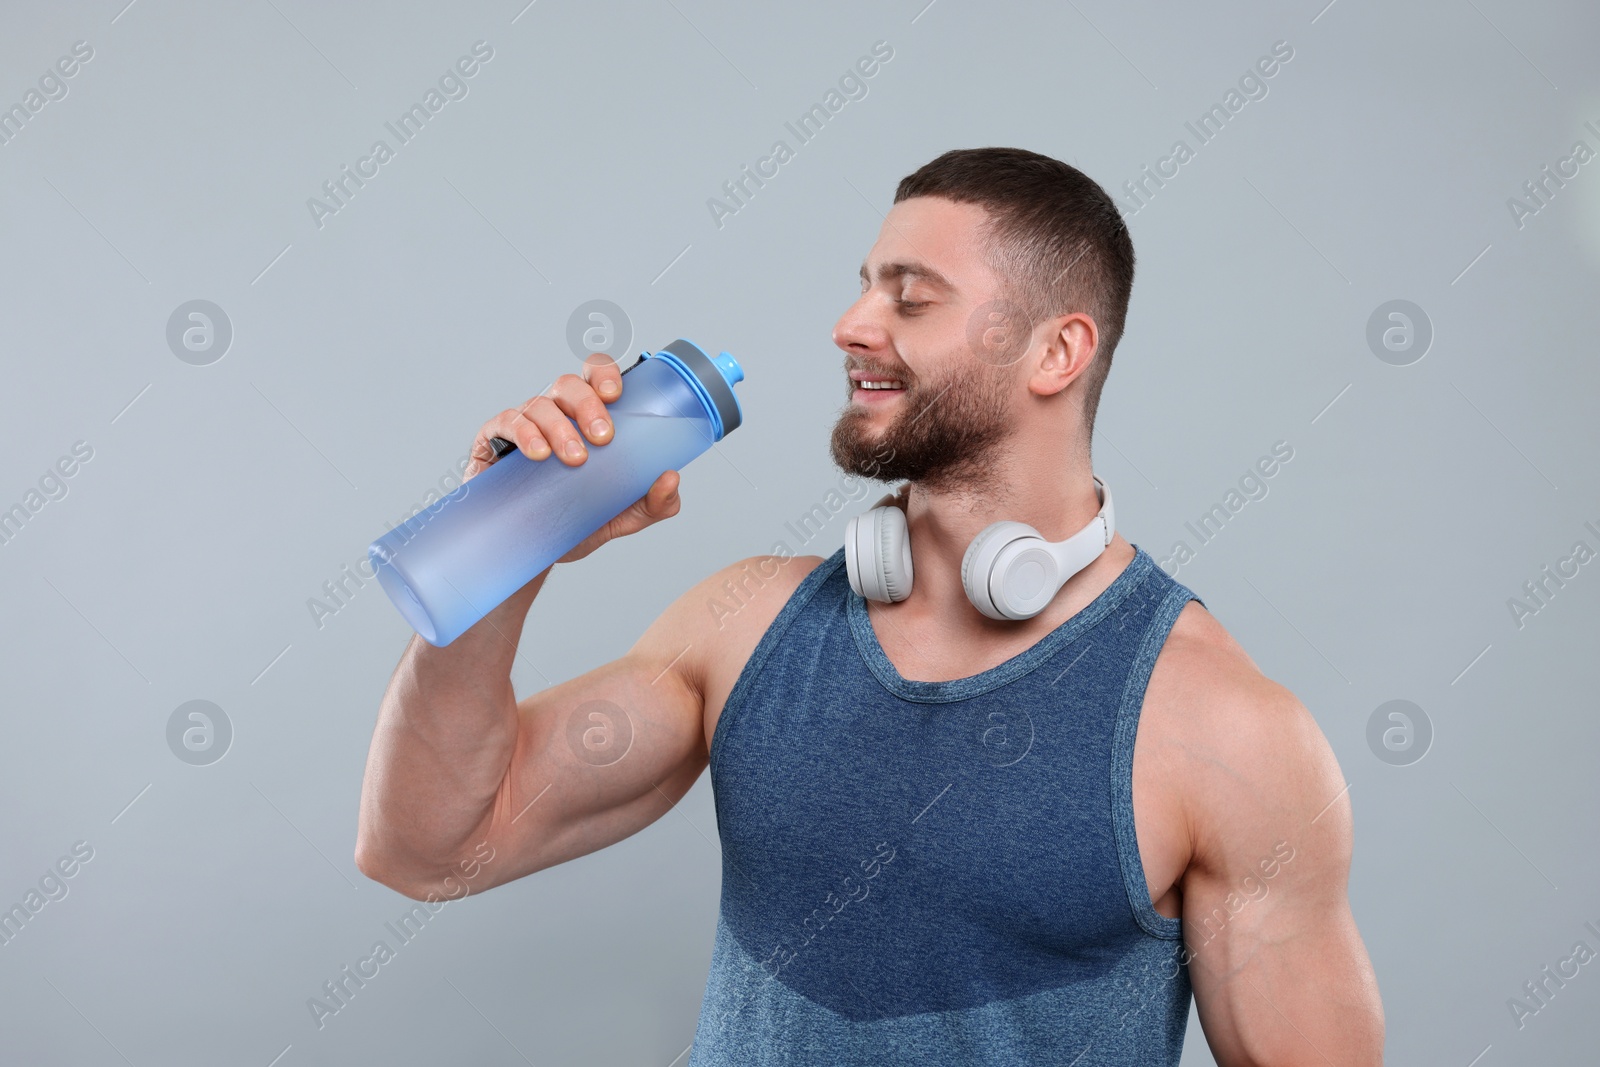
711	379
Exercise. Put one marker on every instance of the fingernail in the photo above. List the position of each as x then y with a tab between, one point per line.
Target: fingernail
597	428
574	449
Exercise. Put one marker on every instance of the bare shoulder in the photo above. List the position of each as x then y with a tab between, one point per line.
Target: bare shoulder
1207	692
1261	823
1244	758
747	595
713	627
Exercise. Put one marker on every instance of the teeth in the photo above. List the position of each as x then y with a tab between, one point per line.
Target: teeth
881	385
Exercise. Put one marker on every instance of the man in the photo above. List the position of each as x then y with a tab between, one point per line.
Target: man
947	838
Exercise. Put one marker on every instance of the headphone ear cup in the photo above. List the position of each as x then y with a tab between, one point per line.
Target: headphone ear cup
966	563
877	555
978	564
894	553
852	554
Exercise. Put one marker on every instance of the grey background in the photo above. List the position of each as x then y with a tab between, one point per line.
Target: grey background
366	352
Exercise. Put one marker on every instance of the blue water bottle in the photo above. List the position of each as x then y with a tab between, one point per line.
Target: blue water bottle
452	563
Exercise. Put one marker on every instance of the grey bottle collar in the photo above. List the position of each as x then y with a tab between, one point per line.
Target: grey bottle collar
715	384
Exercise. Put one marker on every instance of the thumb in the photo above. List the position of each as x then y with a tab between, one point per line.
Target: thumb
661	500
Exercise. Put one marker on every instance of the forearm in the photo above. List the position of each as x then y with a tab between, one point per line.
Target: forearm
446	732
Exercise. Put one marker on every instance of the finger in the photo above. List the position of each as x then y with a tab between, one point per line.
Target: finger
577	399
519	429
659	502
602	372
508	425
555	428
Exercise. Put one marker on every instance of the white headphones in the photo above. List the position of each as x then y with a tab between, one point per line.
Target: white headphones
1009	570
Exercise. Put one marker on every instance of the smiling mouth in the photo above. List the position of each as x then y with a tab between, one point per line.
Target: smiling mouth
873	394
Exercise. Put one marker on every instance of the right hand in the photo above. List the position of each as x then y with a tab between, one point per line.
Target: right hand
540	429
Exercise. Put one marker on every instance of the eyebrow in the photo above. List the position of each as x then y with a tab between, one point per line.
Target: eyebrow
920	271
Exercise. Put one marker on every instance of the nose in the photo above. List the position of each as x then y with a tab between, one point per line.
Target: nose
858	330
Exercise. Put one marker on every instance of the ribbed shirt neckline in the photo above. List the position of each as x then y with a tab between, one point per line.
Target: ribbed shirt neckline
927	692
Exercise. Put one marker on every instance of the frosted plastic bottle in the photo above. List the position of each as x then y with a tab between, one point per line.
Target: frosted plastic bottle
452	563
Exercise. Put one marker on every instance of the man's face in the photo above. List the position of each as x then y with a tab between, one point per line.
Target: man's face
928	293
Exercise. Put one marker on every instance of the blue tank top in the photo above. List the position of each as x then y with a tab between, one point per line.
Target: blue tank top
939	872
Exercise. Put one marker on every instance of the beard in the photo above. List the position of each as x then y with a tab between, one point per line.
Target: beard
941	435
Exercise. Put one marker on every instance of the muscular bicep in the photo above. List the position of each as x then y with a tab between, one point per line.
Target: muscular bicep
598	759
1279	970
603	755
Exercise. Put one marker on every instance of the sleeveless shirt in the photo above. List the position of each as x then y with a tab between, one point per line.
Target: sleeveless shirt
940	872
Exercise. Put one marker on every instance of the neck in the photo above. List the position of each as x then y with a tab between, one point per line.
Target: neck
1055	497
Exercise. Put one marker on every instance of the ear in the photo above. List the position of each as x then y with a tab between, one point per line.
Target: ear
1068	350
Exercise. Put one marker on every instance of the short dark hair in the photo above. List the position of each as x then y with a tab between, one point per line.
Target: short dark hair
1054	235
